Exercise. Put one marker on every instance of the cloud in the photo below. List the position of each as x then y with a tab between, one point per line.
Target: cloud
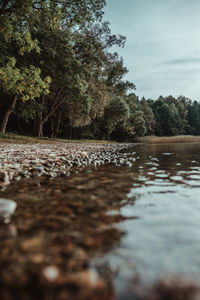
186	60
162	52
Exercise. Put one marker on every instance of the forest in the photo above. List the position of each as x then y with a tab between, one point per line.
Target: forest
60	78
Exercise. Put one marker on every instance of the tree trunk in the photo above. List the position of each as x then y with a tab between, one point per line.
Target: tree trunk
7	115
70	133
42	120
51	128
58	125
35	123
40	129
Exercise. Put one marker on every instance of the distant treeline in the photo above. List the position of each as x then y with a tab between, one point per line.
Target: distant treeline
59	77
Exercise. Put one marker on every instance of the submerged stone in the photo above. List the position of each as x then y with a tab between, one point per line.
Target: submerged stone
8	232
4	176
51	273
7	209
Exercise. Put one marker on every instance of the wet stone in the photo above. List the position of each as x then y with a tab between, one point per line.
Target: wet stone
50	159
8	232
60	226
4	176
50	273
7	209
38	168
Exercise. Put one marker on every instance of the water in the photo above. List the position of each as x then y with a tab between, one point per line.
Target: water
126	222
165	239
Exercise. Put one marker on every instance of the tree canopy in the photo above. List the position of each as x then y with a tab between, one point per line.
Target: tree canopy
59	76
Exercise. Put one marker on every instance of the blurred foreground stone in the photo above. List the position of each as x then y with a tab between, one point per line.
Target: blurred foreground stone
7	209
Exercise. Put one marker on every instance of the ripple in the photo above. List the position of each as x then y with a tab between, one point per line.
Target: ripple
162	175
155	158
194	177
176	178
151	163
142	178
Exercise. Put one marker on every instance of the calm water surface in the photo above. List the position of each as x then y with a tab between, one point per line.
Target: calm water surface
165	196
152	208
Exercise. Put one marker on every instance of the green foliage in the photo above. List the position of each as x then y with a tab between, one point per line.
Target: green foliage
148	116
170	115
136	122
24	82
193	117
116	112
56	53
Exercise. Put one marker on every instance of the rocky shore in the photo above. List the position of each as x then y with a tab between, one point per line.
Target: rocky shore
55	233
32	160
52	231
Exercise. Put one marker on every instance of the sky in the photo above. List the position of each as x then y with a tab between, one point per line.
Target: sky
162	52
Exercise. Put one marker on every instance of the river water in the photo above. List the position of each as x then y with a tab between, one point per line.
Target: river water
137	221
164	239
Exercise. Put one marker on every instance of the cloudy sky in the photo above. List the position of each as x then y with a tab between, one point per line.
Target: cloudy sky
162	51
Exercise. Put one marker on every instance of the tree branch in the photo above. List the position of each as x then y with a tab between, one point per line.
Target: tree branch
3	8
53	110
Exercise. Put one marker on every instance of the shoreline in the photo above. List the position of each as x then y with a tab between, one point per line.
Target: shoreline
22	160
25	157
177	139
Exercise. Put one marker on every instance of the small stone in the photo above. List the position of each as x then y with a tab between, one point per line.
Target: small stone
84	154
50	273
31	244
8	232
4	176
37	258
89	278
128	164
7	209
38	168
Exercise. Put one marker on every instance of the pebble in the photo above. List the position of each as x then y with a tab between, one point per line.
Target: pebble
4	176
31	244
7	209
50	273
33	160
128	164
89	278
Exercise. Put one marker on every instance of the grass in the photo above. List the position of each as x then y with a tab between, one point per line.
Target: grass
16	138
170	139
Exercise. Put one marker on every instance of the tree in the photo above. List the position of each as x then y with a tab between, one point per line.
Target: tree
117	111
193	117
136	120
18	79
168	115
58	55
44	26
24	84
8	7
148	117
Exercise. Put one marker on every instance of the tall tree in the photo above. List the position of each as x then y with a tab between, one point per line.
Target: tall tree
148	117
116	112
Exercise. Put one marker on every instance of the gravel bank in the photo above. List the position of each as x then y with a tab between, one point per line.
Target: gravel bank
31	160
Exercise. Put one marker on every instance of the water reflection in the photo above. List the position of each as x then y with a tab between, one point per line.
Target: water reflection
165	239
61	225
90	235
